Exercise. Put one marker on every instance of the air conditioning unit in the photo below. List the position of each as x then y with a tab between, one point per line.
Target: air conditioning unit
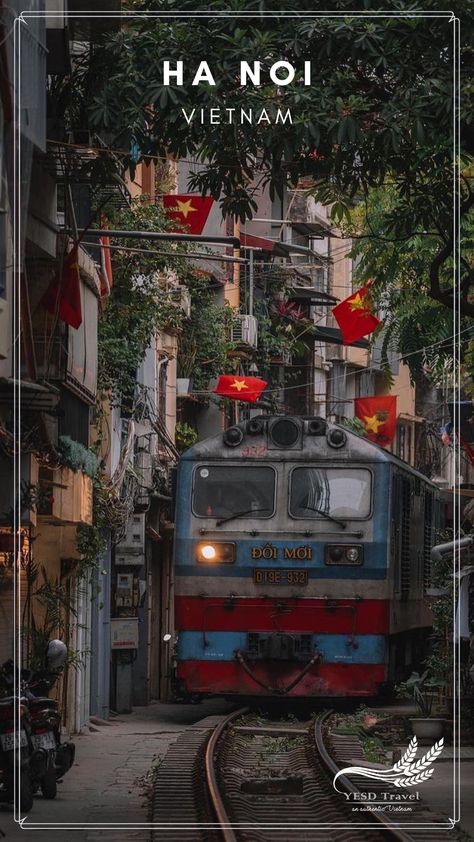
245	330
181	297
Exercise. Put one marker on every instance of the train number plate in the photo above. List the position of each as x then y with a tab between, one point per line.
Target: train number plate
276	576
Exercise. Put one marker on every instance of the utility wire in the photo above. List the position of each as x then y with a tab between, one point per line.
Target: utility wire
357	371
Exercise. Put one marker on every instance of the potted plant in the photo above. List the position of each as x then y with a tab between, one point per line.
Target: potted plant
422	690
185	436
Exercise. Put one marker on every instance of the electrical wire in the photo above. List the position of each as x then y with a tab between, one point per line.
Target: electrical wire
357	371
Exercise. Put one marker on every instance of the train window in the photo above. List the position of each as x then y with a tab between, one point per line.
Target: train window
227	491
338	492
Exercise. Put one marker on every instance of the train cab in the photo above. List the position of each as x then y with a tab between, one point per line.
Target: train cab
301	559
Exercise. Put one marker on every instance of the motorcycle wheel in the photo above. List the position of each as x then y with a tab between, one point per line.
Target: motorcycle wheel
49	786
26	792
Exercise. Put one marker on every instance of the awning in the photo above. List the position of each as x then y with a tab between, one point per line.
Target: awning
251	241
312	295
334	337
278	247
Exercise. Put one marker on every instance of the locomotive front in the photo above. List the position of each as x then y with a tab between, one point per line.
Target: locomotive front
281	562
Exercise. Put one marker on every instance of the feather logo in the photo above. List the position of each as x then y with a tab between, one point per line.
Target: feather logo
406	772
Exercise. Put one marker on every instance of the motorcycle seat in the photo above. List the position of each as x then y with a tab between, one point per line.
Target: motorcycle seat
42	702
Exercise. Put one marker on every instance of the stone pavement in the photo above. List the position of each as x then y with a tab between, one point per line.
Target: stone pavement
104	784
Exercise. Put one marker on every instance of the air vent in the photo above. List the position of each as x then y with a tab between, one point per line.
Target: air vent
428	539
405	538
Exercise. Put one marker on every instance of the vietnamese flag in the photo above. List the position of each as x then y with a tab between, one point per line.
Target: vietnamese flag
379	417
355	317
238	388
63	296
190	210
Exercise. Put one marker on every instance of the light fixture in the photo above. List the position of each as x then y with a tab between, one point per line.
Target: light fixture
336	438
233	436
220	552
208	552
343	554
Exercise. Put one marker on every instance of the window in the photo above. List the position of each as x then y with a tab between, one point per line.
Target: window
226	490
339	492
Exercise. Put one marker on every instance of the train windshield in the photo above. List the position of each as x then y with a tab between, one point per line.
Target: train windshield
225	491
339	492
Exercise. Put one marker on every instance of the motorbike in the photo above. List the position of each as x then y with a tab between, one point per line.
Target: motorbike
45	720
45	759
9	740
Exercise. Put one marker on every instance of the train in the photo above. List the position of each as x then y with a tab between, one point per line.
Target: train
301	563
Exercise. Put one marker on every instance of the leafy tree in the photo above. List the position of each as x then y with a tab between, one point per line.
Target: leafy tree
380	107
414	324
139	303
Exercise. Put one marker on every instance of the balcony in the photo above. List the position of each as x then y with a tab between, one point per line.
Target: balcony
69	500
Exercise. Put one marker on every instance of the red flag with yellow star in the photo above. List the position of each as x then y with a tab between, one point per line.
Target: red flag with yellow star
379	417
355	316
190	210
240	388
63	296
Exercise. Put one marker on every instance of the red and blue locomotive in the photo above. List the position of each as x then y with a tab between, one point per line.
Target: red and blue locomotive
302	555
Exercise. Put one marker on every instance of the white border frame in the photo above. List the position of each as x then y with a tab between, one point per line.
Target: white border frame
22	19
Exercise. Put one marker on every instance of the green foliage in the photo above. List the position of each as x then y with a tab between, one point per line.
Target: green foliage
421	689
77	457
355	425
139	304
52	598
185	436
440	662
415	325
203	347
380	106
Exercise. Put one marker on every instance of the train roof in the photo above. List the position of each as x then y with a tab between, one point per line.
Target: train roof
259	447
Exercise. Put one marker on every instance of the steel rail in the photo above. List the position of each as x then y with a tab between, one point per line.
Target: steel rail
211	777
333	768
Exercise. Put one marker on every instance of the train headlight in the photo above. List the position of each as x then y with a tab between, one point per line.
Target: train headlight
218	553
233	436
336	438
208	552
343	554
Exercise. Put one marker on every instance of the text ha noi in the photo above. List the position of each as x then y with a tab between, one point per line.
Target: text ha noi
255	73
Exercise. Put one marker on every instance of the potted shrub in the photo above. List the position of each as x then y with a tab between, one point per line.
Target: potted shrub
185	436
422	690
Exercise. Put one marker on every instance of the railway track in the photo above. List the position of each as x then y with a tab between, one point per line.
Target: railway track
230	780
